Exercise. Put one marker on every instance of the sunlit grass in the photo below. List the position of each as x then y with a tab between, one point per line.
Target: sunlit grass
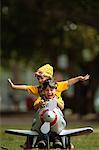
84	142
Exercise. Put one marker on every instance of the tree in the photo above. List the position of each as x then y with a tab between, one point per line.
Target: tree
30	26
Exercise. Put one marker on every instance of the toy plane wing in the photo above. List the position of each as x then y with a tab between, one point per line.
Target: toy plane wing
75	132
22	132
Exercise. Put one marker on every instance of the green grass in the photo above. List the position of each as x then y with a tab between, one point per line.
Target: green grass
84	142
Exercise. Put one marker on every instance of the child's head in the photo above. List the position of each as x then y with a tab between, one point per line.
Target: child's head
49	88
44	73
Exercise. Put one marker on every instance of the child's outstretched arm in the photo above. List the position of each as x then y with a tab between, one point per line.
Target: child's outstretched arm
79	78
18	87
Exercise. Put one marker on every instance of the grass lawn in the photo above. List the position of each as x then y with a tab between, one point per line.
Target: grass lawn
84	142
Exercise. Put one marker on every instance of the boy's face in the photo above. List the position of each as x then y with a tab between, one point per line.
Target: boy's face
50	92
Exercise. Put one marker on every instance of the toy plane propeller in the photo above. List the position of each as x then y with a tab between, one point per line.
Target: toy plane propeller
45	128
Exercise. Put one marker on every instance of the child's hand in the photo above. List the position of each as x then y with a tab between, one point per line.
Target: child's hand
43	103
83	78
9	80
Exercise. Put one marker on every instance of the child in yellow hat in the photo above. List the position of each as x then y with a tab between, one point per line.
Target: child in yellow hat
43	74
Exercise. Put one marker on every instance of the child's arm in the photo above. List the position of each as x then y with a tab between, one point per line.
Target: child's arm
79	78
60	105
18	87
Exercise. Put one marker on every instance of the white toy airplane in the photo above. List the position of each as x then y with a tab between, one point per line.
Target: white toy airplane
49	119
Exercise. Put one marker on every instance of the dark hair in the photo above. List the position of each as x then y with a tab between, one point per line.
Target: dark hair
51	83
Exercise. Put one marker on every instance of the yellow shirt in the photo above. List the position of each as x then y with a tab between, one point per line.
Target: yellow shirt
32	90
61	86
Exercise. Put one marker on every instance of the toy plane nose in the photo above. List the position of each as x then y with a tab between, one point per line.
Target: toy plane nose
49	116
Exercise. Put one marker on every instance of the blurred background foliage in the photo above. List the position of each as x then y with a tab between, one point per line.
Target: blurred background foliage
35	29
35	32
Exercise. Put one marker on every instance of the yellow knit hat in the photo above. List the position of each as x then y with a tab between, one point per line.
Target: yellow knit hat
47	70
